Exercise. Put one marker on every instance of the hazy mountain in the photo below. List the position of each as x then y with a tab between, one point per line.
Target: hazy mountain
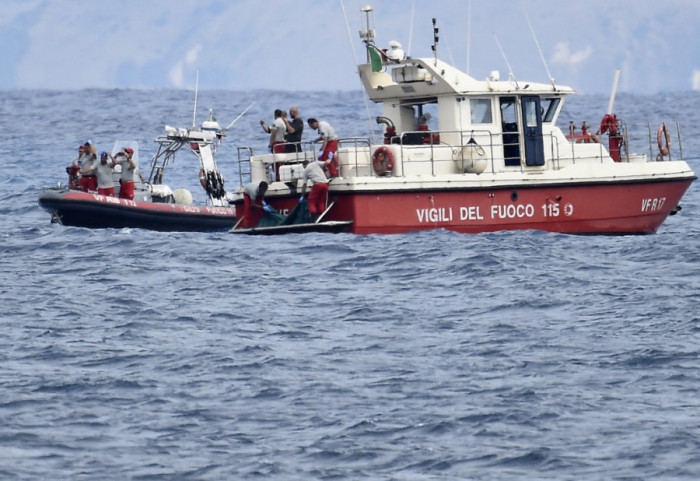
304	44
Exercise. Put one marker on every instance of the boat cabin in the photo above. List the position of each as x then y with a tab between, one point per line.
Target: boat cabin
510	125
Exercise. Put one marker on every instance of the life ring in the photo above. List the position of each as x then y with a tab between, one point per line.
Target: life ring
609	123
383	161
203	179
660	139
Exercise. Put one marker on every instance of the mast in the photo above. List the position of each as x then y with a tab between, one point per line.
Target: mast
367	34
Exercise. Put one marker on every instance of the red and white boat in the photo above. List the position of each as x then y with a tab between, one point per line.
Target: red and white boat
155	206
493	159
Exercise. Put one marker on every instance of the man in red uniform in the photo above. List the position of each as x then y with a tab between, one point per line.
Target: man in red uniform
88	182
254	204
313	171
126	188
329	147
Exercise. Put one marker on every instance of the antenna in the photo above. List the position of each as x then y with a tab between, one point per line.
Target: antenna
239	116
435	39
410	32
449	51
538	46
367	36
510	70
347	26
469	34
196	89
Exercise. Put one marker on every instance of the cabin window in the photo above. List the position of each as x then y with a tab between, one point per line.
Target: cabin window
530	114
549	108
480	111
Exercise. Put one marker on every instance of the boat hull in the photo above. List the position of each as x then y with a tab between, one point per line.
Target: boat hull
80	209
630	207
333	227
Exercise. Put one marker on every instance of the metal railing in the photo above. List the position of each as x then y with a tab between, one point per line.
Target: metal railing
244	164
357	151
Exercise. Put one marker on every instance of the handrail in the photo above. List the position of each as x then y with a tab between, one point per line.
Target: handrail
242	162
357	151
364	142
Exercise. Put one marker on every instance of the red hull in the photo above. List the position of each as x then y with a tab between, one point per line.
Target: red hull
624	208
75	208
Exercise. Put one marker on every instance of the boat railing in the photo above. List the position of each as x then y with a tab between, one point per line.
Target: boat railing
455	151
271	162
244	171
357	150
166	152
495	150
636	142
674	133
458	151
594	148
411	139
469	146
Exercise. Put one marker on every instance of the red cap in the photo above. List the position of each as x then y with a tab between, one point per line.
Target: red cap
130	150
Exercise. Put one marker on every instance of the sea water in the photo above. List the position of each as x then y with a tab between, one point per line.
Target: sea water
131	354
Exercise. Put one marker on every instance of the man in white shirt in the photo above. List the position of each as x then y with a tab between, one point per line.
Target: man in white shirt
329	147
313	171
277	131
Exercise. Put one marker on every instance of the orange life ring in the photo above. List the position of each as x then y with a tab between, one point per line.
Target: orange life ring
203	178
609	123
383	161
660	139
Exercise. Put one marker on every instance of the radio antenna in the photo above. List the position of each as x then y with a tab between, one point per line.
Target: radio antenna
436	39
410	32
367	36
347	26
469	34
511	75
196	89
549	75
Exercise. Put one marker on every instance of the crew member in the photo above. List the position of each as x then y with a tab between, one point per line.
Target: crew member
277	131
313	171
254	205
103	171
88	182
329	145
294	130
125	158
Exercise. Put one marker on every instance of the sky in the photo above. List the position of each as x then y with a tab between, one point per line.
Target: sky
307	45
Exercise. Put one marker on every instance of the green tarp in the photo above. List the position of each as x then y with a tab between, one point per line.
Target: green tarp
298	215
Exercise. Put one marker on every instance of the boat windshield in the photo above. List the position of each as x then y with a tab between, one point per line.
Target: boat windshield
549	108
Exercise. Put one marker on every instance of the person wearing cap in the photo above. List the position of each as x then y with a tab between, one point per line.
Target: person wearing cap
254	205
313	171
125	159
103	172
79	159
88	182
396	54
329	145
